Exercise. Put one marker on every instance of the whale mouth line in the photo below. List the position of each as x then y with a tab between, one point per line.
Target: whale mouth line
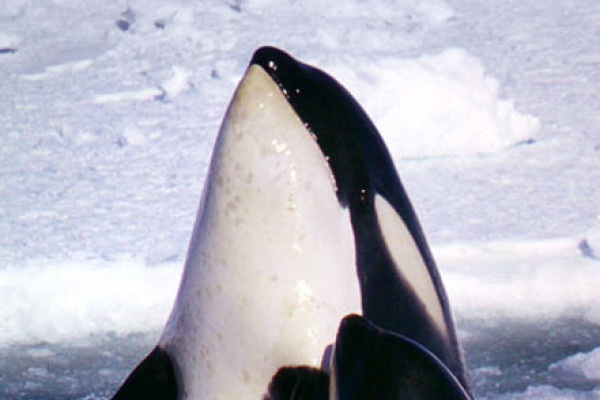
346	136
287	73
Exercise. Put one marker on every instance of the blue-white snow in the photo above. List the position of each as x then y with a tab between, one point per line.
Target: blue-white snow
108	113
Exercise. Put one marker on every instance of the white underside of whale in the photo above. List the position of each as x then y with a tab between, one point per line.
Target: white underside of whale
271	265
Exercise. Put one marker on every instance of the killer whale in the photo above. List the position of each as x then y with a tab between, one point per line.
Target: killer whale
302	220
401	288
371	363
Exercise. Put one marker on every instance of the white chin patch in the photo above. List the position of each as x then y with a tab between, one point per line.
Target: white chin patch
408	260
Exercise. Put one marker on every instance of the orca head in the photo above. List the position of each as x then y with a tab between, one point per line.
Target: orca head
371	363
348	139
400	286
270	269
303	220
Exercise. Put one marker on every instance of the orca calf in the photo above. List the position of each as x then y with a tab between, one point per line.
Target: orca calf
371	363
303	220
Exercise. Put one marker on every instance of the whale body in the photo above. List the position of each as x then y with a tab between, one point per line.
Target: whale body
303	220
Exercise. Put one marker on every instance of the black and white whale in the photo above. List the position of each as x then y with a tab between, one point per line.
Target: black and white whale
303	220
371	363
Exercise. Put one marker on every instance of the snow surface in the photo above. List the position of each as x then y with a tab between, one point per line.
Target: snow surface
450	89
108	116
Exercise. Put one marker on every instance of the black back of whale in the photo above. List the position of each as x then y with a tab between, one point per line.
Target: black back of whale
371	363
363	168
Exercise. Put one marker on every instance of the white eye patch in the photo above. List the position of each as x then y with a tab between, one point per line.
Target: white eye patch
408	260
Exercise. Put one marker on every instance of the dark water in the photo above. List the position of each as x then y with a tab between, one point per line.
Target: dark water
90	369
502	356
509	356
